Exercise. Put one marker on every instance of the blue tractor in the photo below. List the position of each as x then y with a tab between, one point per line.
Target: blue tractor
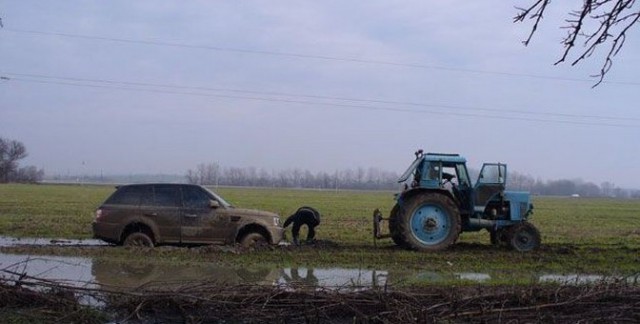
438	202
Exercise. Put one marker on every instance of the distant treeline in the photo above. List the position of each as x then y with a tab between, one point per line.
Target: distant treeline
376	179
359	178
567	187
351	179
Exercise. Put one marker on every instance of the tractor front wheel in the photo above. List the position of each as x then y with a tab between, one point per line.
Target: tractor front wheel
429	222
499	236
524	237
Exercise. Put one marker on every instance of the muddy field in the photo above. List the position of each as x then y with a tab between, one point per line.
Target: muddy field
590	256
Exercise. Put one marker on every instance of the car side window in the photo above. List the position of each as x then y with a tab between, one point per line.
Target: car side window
194	197
146	196
129	195
167	196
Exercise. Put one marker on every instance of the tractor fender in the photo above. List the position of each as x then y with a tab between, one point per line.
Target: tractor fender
418	191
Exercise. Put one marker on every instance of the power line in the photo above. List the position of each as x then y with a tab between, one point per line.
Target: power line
376	101
310	56
290	101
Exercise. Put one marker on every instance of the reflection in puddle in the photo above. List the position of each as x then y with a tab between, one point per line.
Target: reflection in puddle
6	241
109	274
332	277
116	275
68	270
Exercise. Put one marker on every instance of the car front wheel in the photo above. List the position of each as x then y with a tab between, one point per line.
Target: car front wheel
253	240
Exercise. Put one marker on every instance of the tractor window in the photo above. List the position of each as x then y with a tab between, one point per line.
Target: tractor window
410	170
449	175
493	173
463	178
433	172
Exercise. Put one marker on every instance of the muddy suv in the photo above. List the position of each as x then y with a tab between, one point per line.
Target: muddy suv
154	214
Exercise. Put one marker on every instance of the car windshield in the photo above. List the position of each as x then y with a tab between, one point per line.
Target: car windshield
222	202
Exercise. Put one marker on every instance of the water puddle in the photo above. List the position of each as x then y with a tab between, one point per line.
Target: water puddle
6	241
67	270
109	274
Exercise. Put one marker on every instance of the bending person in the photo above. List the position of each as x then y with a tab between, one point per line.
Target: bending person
303	216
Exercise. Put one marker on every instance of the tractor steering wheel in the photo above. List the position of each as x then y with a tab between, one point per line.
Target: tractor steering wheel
448	176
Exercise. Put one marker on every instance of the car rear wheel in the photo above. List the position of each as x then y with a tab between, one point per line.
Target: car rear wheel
138	239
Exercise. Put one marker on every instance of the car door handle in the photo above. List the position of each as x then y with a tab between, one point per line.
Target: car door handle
190	215
151	214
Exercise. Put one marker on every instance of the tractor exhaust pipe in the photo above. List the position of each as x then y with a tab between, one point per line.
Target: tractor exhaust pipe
484	223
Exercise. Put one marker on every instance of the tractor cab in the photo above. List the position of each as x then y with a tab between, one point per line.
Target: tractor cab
440	171
448	172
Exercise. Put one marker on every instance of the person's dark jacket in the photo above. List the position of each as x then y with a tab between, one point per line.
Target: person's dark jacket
304	215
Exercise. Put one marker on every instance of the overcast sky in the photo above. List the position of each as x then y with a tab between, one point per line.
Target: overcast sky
125	87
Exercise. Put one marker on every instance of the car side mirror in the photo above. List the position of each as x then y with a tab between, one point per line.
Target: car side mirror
214	204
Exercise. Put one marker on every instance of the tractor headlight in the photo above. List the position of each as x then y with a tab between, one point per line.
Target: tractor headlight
276	221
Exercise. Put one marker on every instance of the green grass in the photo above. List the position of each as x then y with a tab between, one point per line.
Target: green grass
579	235
49	210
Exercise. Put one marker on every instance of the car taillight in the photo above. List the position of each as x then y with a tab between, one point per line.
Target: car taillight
99	213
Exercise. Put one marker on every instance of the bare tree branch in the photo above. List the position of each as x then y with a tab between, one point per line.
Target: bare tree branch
536	12
612	19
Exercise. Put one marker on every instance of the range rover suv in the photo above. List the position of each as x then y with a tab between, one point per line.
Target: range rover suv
181	214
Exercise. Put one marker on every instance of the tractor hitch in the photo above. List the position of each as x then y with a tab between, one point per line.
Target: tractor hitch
377	233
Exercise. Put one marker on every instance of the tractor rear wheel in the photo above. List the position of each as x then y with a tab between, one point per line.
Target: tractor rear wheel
524	237
429	222
394	219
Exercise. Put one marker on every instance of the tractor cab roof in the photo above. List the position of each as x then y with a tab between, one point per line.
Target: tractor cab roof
444	157
431	157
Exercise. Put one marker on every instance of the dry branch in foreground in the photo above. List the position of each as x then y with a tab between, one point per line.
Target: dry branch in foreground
197	302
